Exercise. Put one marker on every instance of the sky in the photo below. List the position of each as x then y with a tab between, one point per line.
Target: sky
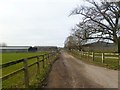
37	22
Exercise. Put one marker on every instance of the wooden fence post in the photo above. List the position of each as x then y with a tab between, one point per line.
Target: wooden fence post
80	54
88	55
83	54
48	58
26	75
118	58
38	65
118	45
93	56
103	56
48	55
47	61
43	60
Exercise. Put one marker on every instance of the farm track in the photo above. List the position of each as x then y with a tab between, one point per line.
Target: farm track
69	72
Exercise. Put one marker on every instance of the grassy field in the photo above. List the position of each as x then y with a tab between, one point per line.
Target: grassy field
7	57
110	61
18	79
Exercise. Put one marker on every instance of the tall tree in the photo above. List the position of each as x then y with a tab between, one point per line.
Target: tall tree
101	21
80	35
70	43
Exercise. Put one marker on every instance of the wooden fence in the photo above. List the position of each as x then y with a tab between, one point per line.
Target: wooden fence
26	66
101	55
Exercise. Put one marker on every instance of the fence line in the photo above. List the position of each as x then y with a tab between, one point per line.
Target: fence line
26	66
102	56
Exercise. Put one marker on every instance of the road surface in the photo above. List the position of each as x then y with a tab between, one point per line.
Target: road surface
69	72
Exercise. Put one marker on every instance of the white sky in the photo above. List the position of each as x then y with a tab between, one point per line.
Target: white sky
36	22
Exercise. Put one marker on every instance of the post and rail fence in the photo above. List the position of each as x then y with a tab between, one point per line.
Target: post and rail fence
101	55
26	66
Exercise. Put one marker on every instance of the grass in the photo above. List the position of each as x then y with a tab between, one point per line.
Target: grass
17	81
111	60
8	57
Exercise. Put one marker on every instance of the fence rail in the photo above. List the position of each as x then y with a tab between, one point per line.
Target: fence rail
26	66
101	55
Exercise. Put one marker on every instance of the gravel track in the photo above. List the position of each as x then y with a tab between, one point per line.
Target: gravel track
69	72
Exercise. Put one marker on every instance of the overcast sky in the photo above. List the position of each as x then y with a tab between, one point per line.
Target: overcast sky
36	22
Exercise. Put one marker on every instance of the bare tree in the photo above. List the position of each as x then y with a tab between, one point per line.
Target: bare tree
70	43
79	36
101	21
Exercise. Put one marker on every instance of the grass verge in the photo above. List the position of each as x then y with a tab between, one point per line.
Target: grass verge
109	63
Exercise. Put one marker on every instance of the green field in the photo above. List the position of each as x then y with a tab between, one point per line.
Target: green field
18	79
7	57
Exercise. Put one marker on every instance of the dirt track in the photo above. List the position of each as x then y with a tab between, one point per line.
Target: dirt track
69	72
